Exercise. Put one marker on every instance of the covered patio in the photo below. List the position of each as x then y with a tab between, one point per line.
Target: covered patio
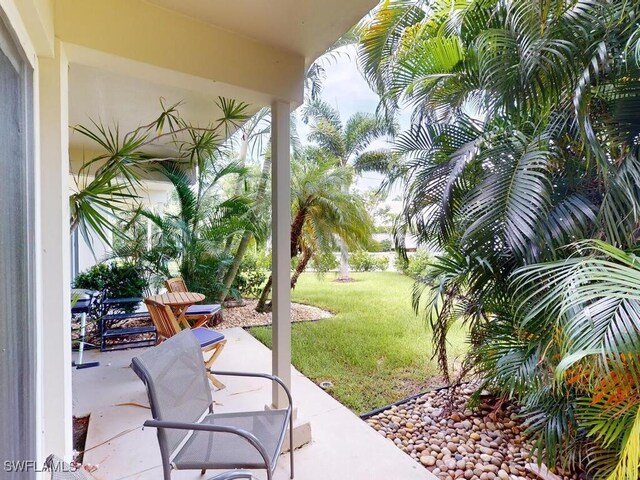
342	446
112	61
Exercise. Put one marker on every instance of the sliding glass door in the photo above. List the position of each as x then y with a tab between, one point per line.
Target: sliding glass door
17	290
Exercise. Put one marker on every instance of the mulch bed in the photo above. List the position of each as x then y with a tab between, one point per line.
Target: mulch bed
246	315
80	428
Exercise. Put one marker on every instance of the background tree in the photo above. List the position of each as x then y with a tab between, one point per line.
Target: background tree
322	210
350	144
524	141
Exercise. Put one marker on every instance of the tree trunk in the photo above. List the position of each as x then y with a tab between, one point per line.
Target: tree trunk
262	301
344	250
230	276
296	230
304	260
242	161
344	261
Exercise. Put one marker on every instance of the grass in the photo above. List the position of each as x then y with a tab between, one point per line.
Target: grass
375	350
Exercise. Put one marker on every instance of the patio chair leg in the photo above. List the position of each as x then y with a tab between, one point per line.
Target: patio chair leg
215	349
203	471
216	383
291	443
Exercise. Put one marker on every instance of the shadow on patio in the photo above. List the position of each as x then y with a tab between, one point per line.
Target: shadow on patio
342	446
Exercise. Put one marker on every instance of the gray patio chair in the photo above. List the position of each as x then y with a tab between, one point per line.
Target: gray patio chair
190	435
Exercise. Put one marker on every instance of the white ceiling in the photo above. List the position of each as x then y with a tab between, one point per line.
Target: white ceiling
306	27
112	98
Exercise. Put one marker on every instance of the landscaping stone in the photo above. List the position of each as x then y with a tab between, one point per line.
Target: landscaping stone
453	441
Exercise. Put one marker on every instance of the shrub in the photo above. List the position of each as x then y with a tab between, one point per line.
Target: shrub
324	262
386	245
251	275
418	264
374	246
363	262
112	280
249	283
401	263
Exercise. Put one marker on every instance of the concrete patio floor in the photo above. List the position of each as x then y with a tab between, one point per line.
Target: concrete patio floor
342	446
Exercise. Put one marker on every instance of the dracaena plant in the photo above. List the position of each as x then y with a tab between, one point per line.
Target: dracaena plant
106	186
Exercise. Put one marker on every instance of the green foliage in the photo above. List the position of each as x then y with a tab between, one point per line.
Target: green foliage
249	283
325	262
113	280
191	237
415	265
386	245
524	142
252	274
361	261
106	185
349	144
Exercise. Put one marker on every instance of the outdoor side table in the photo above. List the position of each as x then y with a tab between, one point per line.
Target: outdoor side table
178	302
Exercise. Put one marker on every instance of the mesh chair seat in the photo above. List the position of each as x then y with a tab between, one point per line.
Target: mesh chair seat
223	450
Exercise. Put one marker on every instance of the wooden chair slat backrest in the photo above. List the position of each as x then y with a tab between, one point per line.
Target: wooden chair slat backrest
163	318
176	285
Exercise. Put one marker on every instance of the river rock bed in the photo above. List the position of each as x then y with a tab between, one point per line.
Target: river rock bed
456	442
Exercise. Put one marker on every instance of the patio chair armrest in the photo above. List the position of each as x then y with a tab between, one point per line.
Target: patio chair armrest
267	376
248	436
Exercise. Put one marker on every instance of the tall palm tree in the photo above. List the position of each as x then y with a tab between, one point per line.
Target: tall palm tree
322	210
351	145
524	141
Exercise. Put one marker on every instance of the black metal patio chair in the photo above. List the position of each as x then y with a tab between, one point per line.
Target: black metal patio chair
190	435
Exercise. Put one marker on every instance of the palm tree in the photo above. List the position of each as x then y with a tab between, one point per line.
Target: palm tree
524	141
350	144
192	235
322	210
106	186
252	136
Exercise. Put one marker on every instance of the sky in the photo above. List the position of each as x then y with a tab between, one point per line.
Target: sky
345	89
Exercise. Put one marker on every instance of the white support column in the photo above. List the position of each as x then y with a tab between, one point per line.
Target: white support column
281	248
55	364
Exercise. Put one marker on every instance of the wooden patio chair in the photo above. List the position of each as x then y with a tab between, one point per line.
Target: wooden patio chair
211	311
191	436
211	342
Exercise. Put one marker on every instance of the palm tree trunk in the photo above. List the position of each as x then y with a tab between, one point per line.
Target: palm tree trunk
262	301
304	260
230	276
344	261
344	250
296	231
242	161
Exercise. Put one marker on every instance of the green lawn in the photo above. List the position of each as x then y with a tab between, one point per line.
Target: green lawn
375	350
